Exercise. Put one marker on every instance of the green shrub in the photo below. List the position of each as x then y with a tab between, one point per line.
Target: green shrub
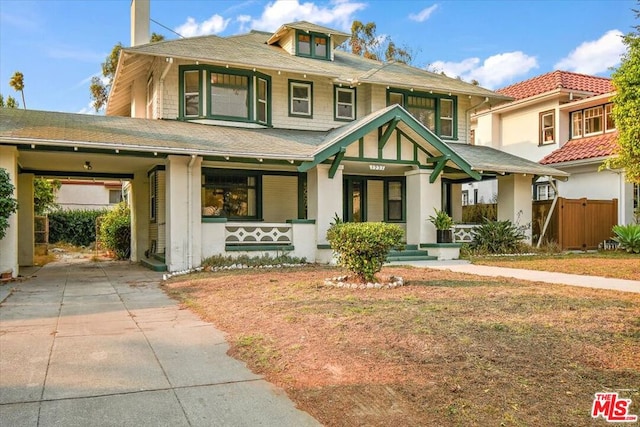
76	227
628	236
497	237
362	247
8	203
115	231
256	261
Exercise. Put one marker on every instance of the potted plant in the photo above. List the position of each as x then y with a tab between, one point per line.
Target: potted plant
443	223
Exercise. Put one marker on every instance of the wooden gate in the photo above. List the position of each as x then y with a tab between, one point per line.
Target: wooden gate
576	224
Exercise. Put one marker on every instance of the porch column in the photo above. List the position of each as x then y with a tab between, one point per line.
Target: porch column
139	200
183	249
422	198
456	202
514	201
324	199
9	244
26	227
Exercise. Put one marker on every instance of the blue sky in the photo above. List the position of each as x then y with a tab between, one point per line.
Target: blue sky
59	45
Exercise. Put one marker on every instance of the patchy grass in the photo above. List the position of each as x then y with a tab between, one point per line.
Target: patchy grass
447	349
614	264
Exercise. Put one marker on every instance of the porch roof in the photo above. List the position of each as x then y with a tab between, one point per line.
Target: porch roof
305	148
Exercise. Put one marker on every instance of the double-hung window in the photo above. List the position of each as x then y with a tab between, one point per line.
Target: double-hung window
592	121
395	205
345	103
446	118
262	106
191	92
608	118
300	99
547	127
576	124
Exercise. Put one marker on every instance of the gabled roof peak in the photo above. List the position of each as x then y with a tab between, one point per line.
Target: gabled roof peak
558	79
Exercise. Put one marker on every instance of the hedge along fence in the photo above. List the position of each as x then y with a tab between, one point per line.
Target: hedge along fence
77	227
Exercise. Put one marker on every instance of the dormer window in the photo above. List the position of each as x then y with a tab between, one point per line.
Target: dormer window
312	45
590	121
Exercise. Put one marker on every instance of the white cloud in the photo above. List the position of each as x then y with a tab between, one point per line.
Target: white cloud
594	57
495	71
244	21
214	25
424	14
338	13
89	110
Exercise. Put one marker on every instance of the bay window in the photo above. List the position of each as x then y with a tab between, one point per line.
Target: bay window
435	111
224	94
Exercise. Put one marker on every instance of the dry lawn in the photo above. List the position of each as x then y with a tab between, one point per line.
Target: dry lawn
446	350
619	265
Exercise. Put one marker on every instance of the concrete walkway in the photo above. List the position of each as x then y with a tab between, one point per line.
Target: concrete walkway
100	344
461	266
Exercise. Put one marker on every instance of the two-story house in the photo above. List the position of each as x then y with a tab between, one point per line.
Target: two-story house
561	119
255	142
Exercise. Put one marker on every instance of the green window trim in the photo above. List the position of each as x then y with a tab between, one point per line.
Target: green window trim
337	103
364	180
253	79
314	41
300	83
401	96
231	174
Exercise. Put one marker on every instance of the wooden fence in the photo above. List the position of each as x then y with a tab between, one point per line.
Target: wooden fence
576	224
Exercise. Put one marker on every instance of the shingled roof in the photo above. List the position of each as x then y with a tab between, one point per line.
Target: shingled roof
583	148
558	80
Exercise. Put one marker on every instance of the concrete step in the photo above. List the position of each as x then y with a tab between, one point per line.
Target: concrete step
153	264
424	257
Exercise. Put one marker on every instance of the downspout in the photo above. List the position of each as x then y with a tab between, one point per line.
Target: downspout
553	206
190	212
467	113
161	88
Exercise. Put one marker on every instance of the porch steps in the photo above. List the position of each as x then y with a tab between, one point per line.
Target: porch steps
410	253
153	264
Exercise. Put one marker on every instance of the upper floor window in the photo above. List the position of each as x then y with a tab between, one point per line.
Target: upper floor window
300	98
345	103
226	94
436	112
592	121
313	45
547	127
191	93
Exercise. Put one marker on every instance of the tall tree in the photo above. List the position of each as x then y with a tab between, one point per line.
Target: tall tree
9	103
626	106
366	42
100	87
17	83
8	203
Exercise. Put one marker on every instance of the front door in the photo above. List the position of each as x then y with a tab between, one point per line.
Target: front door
355	200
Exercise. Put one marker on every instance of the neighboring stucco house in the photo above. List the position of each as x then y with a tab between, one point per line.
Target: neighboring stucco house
85	194
562	119
255	142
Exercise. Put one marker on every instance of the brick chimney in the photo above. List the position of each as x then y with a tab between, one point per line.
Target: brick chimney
140	22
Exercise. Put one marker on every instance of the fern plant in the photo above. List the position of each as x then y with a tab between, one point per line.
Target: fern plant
628	236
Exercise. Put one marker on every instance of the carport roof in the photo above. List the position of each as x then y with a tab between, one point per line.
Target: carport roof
175	137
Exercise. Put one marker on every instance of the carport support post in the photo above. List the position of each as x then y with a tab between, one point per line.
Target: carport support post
324	198
139	215
26	226
422	198
515	201
9	244
184	241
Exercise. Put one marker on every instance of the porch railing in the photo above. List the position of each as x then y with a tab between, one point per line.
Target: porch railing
246	234
462	233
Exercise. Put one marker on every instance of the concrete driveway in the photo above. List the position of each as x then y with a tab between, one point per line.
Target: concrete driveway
100	344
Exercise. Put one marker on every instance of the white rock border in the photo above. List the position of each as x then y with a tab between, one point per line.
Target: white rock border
167	276
342	282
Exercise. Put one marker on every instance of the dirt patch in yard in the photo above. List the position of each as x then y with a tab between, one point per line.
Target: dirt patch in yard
446	349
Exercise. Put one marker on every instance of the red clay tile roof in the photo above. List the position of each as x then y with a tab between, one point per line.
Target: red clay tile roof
583	148
555	80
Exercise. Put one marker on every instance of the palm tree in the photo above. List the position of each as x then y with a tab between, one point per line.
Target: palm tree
17	83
